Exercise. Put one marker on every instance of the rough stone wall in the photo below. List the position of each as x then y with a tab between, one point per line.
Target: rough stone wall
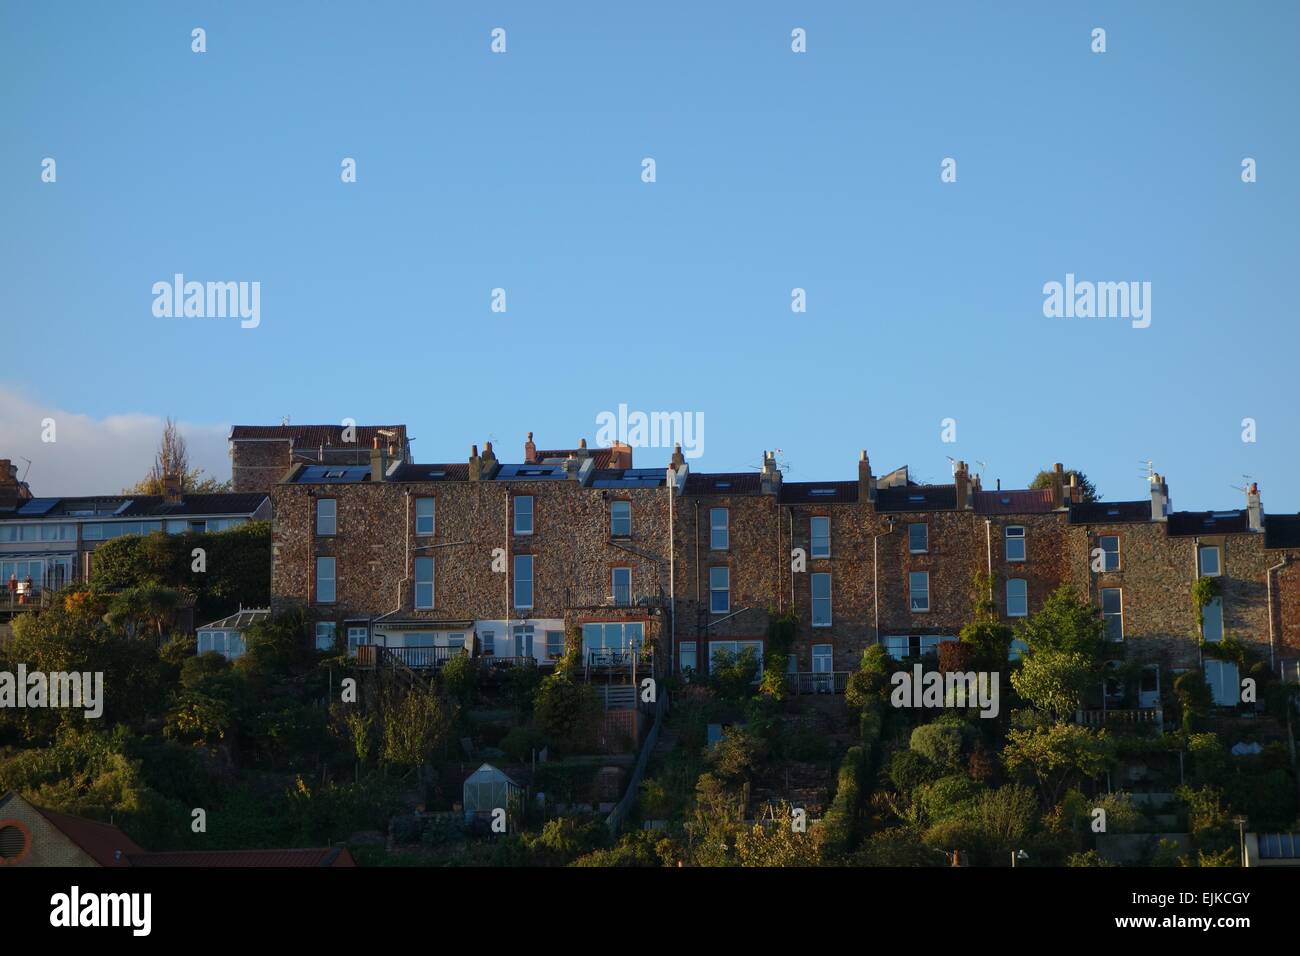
257	465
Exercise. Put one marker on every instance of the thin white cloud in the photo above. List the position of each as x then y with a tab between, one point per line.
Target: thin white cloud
92	456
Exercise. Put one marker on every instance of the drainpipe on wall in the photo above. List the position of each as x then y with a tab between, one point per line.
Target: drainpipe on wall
875	575
988	546
1268	578
1196	575
672	577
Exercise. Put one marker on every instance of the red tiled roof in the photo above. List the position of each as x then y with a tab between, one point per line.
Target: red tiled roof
1025	501
313	436
329	856
103	842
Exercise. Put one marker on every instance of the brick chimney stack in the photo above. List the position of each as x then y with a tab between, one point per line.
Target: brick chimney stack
620	455
1058	485
866	481
1254	508
12	490
172	488
770	479
530	451
475	464
961	479
378	461
572	468
678	460
489	459
1159	498
1076	491
582	449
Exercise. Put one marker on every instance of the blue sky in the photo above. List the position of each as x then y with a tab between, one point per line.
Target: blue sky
774	170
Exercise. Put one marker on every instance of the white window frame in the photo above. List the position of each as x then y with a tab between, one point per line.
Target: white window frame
720	531
725	590
426	524
358	636
913	592
925	531
1218	560
615	519
891	644
735	647
819	544
420	585
826	619
1023	597
530	578
627	586
326	635
1021	539
530	514
823	658
1106	553
1108	615
327	517
687	657
333	580
553	652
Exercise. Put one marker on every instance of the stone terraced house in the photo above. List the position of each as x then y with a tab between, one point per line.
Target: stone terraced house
578	549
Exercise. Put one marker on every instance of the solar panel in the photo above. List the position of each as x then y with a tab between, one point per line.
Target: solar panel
39	506
531	472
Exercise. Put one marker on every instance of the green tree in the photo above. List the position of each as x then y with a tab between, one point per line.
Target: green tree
1053	680
1056	755
1044	480
173	458
416	723
1066	623
567	713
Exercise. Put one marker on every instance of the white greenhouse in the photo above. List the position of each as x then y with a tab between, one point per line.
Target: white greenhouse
488	789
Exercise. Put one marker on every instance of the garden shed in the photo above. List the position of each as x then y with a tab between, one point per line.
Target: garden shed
488	789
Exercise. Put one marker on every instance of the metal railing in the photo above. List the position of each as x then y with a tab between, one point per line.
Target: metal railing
416	658
818	682
1097	717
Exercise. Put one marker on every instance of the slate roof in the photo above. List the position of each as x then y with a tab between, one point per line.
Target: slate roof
1184	523
1109	512
1018	502
456	471
811	492
1282	531
215	504
723	483
917	498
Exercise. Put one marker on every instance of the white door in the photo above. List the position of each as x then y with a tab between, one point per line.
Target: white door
1225	688
1149	689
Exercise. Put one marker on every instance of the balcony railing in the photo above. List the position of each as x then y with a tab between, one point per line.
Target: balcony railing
372	656
1120	716
820	682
